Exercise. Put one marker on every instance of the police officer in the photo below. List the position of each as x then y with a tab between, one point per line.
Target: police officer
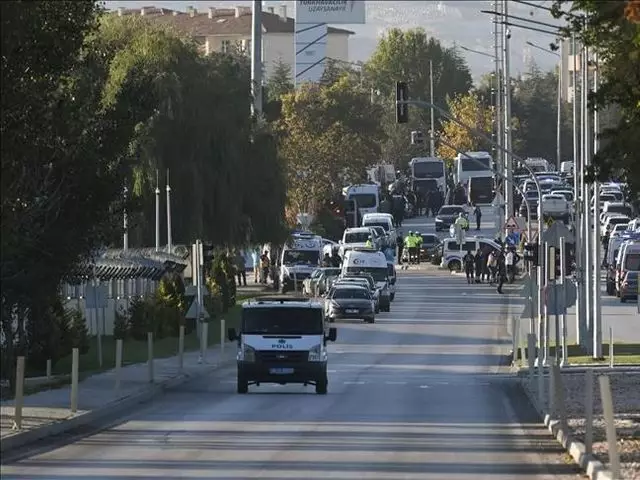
418	245
408	244
501	271
369	242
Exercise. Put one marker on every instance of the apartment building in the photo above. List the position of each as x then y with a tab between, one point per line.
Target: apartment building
227	29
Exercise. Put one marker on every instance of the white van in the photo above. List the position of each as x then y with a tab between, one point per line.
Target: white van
567	168
282	341
452	254
366	196
620	208
367	260
300	257
384	220
628	260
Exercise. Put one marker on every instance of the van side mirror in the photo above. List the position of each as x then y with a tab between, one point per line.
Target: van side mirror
333	334
232	335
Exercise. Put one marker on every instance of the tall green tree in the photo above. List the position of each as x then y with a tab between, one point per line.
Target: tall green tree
64	155
329	135
611	30
405	55
279	83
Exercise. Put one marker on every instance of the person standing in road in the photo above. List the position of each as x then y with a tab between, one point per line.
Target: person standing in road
492	263
241	268
479	265
428	199
510	264
410	242
256	265
400	247
500	271
418	245
265	264
605	244
469	262
478	214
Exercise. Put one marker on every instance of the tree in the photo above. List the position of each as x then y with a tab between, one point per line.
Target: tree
328	136
279	83
611	31
64	156
469	110
405	55
201	132
535	106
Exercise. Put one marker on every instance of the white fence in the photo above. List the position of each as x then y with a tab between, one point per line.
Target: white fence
120	293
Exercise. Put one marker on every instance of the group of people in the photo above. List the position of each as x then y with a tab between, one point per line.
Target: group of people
426	203
412	243
496	267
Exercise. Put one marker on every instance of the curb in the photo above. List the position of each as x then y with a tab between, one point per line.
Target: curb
593	467
12	442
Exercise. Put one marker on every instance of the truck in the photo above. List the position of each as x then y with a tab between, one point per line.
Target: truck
300	256
282	340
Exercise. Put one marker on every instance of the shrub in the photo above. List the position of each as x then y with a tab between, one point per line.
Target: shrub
139	318
121	325
49	334
78	330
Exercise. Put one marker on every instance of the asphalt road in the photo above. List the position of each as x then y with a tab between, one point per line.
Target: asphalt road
420	394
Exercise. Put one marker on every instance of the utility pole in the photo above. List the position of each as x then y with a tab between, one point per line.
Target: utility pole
157	212
508	197
497	85
596	316
586	161
256	57
577	188
125	222
169	239
559	126
432	142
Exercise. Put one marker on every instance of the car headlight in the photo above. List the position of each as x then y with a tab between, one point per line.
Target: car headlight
317	354
247	354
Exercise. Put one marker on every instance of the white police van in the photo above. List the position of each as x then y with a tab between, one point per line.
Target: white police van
300	257
453	252
374	262
282	340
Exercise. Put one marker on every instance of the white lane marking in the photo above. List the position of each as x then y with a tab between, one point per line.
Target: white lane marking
396	383
425	386
354	383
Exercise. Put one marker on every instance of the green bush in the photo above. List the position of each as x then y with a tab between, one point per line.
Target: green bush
156	315
222	279
78	330
49	335
121	325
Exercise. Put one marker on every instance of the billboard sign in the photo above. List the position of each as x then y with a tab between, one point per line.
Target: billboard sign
330	11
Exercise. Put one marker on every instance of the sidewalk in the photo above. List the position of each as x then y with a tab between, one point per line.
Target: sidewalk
48	412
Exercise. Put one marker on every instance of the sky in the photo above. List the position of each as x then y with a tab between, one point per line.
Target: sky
451	21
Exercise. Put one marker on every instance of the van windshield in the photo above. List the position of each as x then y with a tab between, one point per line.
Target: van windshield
632	262
282	321
356	237
300	257
383	225
364	200
379	274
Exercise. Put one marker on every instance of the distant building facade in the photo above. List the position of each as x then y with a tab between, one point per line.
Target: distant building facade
228	29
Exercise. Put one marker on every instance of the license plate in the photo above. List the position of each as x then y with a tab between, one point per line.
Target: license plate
351	310
281	371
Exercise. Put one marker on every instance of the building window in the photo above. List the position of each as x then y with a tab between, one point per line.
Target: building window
226	46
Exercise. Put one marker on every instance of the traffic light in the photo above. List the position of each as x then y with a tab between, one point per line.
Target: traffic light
569	260
402	109
207	252
531	253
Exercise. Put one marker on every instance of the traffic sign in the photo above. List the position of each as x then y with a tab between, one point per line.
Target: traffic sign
559	297
498	200
192	313
555	232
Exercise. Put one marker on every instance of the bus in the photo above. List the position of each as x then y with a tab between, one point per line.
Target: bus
428	174
480	190
479	165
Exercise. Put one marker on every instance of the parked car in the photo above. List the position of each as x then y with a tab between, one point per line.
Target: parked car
447	216
430	244
629	286
316	283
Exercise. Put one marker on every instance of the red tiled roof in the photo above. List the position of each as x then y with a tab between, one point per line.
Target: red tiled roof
223	21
